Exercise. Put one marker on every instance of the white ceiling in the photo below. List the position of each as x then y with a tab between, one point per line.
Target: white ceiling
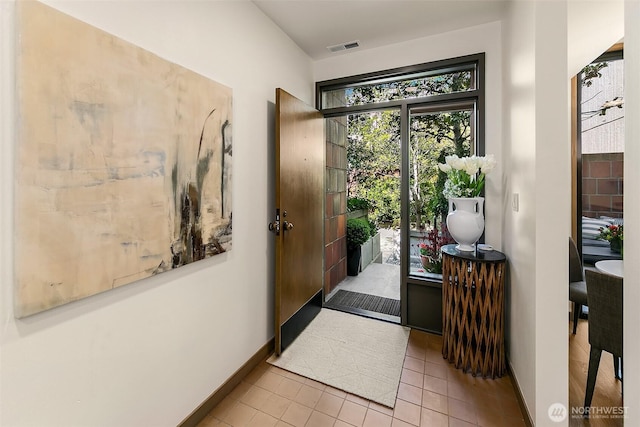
316	24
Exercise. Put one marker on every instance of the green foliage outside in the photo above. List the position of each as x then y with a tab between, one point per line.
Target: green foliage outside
356	203
373	227
374	150
592	71
358	232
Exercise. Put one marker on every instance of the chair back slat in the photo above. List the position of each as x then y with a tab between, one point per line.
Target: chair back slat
576	271
604	295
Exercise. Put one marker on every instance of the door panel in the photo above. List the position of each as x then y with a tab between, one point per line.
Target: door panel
300	150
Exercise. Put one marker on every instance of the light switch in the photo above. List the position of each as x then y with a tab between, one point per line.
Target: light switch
515	202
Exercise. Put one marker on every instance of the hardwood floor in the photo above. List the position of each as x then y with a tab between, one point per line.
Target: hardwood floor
608	390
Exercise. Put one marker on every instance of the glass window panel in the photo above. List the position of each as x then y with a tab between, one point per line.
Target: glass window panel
407	88
602	155
432	136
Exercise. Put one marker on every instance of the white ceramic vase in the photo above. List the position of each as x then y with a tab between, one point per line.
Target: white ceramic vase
465	221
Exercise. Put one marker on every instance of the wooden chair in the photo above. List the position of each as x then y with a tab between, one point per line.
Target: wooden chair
605	324
577	285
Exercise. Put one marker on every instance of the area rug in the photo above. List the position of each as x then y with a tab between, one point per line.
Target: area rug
355	354
367	302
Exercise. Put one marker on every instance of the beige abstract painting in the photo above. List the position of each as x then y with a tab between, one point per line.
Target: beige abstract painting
123	162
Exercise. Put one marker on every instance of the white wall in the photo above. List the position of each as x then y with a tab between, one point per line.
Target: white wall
150	352
594	26
484	38
552	208
519	131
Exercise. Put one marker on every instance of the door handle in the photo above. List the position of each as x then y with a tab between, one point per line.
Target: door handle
275	225
287	226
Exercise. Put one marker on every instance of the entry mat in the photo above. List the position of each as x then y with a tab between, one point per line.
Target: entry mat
374	303
351	353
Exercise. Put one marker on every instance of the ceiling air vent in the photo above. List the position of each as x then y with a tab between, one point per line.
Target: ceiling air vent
344	46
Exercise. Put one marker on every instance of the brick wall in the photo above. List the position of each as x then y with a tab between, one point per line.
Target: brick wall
602	184
335	229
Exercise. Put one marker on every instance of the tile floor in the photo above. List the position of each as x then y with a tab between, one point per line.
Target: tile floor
431	393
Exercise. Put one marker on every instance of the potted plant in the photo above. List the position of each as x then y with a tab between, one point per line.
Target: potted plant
358	232
430	254
614	235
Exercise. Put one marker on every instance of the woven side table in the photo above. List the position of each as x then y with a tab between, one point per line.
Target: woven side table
473	310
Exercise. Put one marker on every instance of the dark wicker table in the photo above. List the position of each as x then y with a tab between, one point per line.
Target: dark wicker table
473	310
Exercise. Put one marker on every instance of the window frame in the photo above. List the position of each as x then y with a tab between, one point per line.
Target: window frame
616	53
475	95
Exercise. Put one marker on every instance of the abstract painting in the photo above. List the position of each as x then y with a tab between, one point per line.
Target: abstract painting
123	162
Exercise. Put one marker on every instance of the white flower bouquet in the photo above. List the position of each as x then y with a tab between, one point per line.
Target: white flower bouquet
465	175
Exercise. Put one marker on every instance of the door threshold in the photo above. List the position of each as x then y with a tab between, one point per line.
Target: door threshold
367	313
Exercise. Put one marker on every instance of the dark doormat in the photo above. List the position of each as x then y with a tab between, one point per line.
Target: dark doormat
347	299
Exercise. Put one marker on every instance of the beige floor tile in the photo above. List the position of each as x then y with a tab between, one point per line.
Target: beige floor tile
431	418
240	390
256	374
210	421
223	408
275	405
352	413
288	388
454	422
436	370
435	357
483	399
318	419
414	364
340	423
459	376
462	410
334	391
437	385
435	402
294	376
283	424
314	384
240	415
407	412
269	381
308	396
410	393
262	420
357	399
399	423
376	419
296	414
461	391
329	404
278	371
255	397
380	408
411	377
417	352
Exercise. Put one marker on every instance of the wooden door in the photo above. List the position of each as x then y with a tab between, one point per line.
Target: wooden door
299	229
